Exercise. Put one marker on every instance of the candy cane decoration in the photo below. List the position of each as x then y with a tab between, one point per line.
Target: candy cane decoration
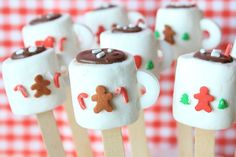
123	92
56	81
61	42
228	49
22	89
80	98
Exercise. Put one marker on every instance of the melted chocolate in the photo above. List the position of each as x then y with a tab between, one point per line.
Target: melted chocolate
207	56
27	52
176	6
109	6
95	58
44	18
126	29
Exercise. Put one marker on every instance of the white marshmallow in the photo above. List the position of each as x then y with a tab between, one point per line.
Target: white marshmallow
215	53
193	73
23	71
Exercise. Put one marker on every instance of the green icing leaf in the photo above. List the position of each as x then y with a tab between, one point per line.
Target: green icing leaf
185	99
185	37
223	104
149	65
156	34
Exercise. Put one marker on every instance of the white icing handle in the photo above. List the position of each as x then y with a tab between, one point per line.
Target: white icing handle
85	36
152	88
134	16
214	33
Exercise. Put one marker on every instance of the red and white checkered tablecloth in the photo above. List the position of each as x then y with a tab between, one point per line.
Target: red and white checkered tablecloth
20	136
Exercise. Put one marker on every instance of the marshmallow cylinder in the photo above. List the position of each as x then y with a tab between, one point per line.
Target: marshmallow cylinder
194	74
23	72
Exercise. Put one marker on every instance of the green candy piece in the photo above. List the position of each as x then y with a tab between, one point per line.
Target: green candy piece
149	65
186	36
156	34
223	104
185	99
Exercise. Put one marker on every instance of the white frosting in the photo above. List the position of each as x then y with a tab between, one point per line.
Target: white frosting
138	43
193	73
106	18
58	28
85	78
23	71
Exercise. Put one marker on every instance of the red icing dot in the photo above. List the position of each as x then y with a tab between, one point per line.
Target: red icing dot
138	61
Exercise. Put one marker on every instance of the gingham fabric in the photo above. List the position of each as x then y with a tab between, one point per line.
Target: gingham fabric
20	136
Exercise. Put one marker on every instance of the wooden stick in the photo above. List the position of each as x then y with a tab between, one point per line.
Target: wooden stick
185	140
138	139
204	143
80	135
113	143
50	134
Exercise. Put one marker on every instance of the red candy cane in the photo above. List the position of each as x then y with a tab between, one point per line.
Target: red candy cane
22	89
62	40
123	92
56	81
80	98
228	49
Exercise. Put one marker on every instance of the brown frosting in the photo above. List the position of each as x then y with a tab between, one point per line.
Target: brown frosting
105	56
44	18
176	6
207	56
126	29
105	7
27	52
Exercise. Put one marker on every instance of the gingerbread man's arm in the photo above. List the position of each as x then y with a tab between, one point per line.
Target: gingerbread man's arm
210	98
109	96
95	97
197	96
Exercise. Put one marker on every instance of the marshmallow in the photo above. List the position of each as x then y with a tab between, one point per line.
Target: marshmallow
22	75
136	41
94	80
204	91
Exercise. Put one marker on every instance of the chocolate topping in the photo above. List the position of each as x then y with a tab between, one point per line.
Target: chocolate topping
103	7
126	29
44	18
27	52
101	56
176	6
208	57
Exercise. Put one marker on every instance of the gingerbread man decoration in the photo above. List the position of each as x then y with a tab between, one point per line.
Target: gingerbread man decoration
169	35
204	99
40	86
103	98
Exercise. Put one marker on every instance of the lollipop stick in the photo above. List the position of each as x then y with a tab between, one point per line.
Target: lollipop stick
138	138
113	144
185	140
80	135
50	134
204	143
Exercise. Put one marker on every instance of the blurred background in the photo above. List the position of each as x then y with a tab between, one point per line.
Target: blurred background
20	136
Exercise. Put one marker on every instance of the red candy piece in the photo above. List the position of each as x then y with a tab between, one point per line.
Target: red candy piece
80	98
204	99
98	33
140	21
123	92
62	41
22	89
138	61
228	49
56	79
48	42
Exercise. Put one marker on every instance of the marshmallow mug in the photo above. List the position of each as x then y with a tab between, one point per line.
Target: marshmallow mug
58	31
182	26
105	89
204	91
33	81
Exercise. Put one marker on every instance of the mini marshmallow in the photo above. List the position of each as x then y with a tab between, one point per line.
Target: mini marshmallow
32	49
95	51
20	51
109	50
216	53
202	51
100	54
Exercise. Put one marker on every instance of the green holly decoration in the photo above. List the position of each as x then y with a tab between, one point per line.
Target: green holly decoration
185	37
156	34
149	65
185	99
223	104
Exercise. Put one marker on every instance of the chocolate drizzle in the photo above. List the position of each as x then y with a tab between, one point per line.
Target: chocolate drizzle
207	56
104	7
179	6
126	29
44	18
101	56
27	52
